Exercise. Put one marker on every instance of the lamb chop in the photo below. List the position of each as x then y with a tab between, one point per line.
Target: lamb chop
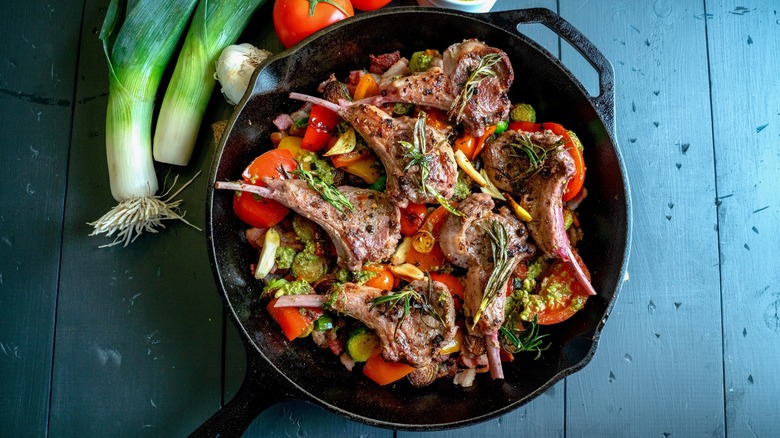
414	336
540	188
490	245
471	85
418	158
367	233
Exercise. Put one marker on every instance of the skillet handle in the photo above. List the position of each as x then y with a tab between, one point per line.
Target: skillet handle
261	389
605	101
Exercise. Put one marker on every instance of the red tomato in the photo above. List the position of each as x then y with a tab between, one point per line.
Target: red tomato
384	279
369	5
322	123
252	209
561	280
294	20
575	183
411	218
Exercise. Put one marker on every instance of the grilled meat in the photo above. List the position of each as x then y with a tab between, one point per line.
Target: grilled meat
415	338
540	189
483	103
369	233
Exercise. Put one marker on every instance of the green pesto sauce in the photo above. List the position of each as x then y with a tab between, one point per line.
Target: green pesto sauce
284	257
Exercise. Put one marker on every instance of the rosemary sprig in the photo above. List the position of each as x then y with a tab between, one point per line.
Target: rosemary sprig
330	194
484	70
535	153
527	340
418	155
408	298
502	266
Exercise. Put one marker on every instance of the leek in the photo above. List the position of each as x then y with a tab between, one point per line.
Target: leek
137	55
215	25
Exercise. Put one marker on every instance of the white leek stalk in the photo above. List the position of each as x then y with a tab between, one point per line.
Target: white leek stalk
137	55
216	24
235	67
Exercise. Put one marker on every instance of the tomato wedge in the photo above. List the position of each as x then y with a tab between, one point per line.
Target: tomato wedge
575	183
569	295
252	209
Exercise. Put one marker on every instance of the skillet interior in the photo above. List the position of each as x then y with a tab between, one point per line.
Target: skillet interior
539	80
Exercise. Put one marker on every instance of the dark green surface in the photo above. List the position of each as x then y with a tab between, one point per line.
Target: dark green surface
133	342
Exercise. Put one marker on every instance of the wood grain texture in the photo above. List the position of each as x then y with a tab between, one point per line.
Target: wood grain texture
744	52
36	105
138	348
659	368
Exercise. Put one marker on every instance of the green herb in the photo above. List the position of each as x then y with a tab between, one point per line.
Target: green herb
408	298
330	194
535	153
526	340
502	266
418	155
484	70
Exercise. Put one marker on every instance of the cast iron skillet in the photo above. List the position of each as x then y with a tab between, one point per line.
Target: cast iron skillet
280	370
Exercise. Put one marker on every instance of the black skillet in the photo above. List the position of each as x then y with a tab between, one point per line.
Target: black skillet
279	370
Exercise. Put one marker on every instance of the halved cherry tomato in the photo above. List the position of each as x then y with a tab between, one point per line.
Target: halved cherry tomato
294	321
322	123
383	372
453	285
411	218
575	183
369	5
384	278
434	221
366	87
252	209
467	144
560	280
294	20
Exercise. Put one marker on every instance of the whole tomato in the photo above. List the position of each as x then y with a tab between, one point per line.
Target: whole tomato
369	5
294	20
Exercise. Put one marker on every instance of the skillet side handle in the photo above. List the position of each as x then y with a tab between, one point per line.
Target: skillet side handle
605	101
260	390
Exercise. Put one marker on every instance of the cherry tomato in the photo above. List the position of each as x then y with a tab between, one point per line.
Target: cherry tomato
575	183
411	218
430	261
322	124
294	20
252	209
384	279
369	5
571	295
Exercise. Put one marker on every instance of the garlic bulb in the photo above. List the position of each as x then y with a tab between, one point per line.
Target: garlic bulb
235	67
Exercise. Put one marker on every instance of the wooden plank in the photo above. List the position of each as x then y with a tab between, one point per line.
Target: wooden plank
37	71
658	370
744	54
139	329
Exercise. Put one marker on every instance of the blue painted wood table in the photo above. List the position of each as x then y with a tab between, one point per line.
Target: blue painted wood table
135	342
